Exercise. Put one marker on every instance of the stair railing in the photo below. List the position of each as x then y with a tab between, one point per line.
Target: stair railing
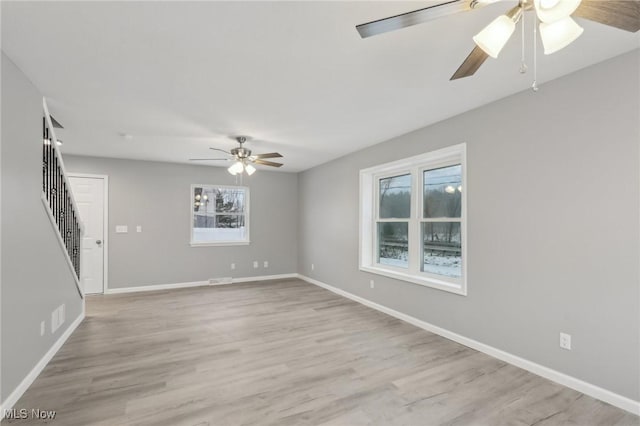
58	199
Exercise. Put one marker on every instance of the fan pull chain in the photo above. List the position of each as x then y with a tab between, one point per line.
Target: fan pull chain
534	86
523	64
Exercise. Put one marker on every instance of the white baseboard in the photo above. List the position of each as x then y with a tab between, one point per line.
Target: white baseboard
594	391
265	278
10	401
156	287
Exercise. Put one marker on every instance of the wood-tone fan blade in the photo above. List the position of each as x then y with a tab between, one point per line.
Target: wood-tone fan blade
208	159
623	14
470	65
221	150
268	155
267	163
412	18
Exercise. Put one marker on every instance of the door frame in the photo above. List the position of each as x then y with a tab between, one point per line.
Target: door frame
105	226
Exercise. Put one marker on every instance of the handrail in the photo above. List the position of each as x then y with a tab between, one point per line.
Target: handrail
58	198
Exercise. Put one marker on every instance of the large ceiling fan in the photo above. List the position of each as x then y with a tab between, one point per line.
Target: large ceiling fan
557	28
242	158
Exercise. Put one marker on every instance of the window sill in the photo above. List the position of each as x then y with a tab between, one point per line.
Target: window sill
220	244
420	280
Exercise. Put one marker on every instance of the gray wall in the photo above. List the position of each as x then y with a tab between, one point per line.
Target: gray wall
553	232
35	276
156	196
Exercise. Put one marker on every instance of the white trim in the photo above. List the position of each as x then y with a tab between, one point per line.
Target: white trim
221	243
421	279
157	287
264	278
592	390
443	155
246	214
65	253
105	225
17	393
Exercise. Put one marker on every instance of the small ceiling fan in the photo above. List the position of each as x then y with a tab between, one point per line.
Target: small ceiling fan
557	28
243	159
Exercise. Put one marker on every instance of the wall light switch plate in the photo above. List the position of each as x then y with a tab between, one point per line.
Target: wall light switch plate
122	229
255	263
372	284
42	328
266	264
54	321
139	228
233	266
313	266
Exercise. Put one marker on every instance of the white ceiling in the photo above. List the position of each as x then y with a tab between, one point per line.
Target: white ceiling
180	76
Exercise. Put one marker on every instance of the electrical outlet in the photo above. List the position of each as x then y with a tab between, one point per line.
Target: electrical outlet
565	341
372	284
42	328
313	266
266	264
255	264
233	266
139	228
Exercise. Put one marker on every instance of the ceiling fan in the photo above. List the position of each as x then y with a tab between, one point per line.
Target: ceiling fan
557	28
243	159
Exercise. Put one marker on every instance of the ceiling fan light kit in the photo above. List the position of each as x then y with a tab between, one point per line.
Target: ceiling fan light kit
238	167
557	28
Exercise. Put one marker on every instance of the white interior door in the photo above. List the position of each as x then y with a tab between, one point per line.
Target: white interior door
89	195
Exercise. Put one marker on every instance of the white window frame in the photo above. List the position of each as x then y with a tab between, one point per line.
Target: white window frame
369	211
244	242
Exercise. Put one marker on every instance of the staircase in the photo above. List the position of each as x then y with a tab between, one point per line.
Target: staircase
58	200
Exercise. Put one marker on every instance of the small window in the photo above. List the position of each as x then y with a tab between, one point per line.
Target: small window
220	215
413	220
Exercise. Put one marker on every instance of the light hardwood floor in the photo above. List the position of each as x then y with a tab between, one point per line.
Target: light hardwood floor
284	353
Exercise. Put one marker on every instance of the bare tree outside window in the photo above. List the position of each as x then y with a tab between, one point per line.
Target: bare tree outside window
393	236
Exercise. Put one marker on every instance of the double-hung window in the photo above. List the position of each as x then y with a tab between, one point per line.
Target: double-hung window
220	215
413	219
